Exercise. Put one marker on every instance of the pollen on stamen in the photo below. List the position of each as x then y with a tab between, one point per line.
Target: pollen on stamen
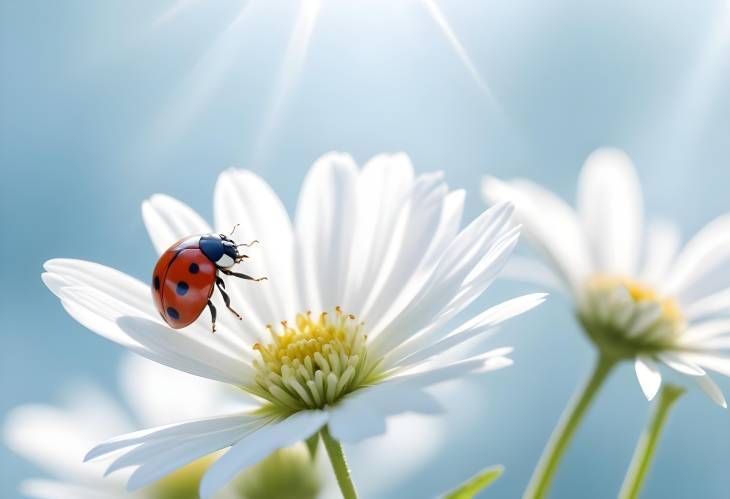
312	362
628	315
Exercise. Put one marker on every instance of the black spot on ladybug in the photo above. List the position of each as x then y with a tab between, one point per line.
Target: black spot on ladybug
182	288
193	268
173	313
157	282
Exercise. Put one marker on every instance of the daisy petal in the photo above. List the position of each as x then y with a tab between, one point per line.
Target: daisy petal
181	351
520	268
37	432
325	225
611	210
433	373
711	390
259	444
168	220
468	266
714	304
412	249
662	243
701	268
698	334
62	272
153	392
680	365
480	324
178	432
363	414
550	224
716	363
382	194
648	376
242	197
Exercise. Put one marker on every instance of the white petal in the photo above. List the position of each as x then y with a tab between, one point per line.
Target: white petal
259	444
383	189
325	223
520	268
662	243
698	334
56	439
178	433
169	220
714	304
423	226
62	272
363	414
702	267
611	210
432	373
470	263
87	288
711	390
242	197
681	365
648	376
160	395
716	363
181	351
549	224
423	348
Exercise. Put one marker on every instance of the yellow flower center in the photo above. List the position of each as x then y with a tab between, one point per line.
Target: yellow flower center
628	314
640	293
312	363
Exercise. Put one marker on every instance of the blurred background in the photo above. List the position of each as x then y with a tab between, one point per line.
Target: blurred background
104	103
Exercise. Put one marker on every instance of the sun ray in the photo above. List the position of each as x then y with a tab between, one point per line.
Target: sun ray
289	72
171	13
201	82
438	17
685	120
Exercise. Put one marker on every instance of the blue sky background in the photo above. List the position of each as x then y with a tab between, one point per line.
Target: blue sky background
104	103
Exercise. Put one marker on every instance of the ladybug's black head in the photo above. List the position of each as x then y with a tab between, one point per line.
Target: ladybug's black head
219	249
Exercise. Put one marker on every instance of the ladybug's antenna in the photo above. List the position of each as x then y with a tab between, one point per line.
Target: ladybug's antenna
255	241
233	230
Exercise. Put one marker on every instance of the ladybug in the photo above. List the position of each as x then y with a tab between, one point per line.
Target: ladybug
187	273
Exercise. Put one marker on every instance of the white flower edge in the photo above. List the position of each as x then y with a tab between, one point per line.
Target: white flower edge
379	240
605	234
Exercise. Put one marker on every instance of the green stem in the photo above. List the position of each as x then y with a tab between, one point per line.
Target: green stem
645	449
544	474
339	464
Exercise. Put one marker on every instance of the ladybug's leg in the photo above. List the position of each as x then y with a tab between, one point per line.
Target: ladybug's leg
221	285
241	258
212	313
242	276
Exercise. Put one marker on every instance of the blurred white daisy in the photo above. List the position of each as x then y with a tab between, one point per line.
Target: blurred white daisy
377	254
56	438
637	297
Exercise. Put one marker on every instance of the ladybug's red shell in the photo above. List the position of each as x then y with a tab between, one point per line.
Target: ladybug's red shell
182	282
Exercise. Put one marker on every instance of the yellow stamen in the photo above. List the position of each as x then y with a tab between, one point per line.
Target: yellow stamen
313	362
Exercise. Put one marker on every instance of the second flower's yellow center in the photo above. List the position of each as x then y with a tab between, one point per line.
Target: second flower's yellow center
313	362
621	308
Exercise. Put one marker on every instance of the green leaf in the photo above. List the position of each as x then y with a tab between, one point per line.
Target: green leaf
475	484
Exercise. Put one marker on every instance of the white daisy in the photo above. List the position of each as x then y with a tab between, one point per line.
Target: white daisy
637	297
376	255
56	438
